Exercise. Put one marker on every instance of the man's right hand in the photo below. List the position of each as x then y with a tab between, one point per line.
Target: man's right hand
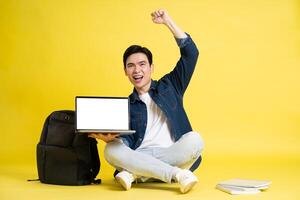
106	137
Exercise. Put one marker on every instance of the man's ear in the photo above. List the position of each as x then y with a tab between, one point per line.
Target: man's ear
152	68
125	71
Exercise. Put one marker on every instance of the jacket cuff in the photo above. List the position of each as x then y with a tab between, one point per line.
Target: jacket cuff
182	42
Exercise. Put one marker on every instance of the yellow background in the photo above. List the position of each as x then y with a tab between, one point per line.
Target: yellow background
243	98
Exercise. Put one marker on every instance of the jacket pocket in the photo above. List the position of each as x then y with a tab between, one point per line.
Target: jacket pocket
169	97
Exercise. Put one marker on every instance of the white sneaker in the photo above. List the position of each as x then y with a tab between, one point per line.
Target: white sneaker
186	179
125	179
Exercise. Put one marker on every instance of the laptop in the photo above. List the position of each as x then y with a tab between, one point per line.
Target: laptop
102	114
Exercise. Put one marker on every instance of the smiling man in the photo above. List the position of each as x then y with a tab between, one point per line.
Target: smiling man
164	146
138	67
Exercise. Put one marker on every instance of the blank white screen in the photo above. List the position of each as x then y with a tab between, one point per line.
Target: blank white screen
102	113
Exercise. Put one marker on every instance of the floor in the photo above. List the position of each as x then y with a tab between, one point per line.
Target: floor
282	171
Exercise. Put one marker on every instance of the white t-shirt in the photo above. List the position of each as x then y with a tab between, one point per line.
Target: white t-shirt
158	133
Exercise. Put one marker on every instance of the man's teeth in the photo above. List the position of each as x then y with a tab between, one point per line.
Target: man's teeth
138	77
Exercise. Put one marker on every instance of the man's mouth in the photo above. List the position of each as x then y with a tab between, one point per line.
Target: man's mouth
137	78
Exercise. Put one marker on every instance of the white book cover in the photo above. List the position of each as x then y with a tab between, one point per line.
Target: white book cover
243	186
258	184
237	190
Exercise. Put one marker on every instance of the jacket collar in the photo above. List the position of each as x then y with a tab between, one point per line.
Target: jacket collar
134	96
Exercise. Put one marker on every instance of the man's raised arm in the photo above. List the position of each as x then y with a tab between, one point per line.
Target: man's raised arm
181	75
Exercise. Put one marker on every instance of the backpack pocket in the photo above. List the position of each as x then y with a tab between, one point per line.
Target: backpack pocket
57	165
60	133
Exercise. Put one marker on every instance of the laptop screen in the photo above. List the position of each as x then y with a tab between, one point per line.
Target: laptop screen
104	113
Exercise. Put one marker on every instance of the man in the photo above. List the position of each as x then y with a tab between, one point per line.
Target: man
164	146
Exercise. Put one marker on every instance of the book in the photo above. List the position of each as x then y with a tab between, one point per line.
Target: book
237	190
243	186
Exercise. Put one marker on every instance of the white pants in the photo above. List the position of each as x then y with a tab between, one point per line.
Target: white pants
158	163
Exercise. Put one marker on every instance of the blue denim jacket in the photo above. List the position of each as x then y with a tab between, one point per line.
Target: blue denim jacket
167	93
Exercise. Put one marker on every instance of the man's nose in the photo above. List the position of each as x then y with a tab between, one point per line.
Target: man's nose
137	68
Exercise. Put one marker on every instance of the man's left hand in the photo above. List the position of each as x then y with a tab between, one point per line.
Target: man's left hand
160	16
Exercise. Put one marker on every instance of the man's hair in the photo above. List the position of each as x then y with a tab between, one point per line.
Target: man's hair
137	49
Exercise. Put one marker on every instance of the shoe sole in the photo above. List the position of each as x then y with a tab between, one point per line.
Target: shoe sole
188	187
123	183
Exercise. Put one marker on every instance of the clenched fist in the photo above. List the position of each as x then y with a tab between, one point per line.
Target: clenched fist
160	16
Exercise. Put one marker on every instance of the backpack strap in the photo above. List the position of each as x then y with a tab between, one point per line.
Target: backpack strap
33	179
97	181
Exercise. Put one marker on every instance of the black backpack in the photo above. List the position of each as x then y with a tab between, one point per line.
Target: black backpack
63	156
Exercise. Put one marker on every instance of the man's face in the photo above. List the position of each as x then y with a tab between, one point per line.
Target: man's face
139	71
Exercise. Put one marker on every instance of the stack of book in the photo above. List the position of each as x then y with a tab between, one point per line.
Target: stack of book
243	186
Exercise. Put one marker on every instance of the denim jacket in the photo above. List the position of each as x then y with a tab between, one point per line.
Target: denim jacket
167	93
